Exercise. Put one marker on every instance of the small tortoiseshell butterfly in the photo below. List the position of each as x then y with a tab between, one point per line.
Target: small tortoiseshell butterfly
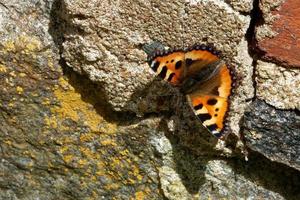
202	76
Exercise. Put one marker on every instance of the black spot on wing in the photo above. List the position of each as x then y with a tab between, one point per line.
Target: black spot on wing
212	127
163	72
188	62
178	64
212	102
204	116
198	107
215	91
171	76
155	66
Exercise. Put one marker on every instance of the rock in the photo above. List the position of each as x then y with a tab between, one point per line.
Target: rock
191	176
219	175
277	38
57	142
127	82
82	117
172	185
273	133
244	6
118	38
278	86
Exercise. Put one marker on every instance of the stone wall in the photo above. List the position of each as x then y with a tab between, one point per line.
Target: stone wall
82	115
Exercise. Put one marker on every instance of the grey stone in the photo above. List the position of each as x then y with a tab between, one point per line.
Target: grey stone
172	185
218	175
273	133
102	132
190	176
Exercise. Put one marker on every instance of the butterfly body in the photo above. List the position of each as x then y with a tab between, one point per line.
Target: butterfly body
203	77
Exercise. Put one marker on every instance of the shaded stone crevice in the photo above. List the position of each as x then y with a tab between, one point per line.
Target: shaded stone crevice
94	94
254	83
3	5
256	20
257	54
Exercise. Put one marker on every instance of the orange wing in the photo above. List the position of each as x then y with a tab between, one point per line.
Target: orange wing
205	80
210	101
197	59
169	67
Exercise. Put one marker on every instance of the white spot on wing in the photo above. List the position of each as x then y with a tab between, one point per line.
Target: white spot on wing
201	111
169	72
209	122
159	69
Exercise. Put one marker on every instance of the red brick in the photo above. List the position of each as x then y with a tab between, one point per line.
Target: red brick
285	46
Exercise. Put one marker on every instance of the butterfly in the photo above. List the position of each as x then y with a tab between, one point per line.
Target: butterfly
202	76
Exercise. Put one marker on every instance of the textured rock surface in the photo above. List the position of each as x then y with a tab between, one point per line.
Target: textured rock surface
244	6
278	38
114	38
73	77
148	21
56	140
184	175
273	133
278	86
264	28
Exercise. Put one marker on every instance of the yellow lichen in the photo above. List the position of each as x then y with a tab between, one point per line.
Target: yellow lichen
112	186
24	44
100	172
68	158
22	74
51	122
46	101
136	173
72	106
2	69
9	45
96	162
19	90
140	195
82	162
8	142
108	142
86	137
124	152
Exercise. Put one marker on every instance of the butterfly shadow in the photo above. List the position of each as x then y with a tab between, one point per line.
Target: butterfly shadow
192	148
192	145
